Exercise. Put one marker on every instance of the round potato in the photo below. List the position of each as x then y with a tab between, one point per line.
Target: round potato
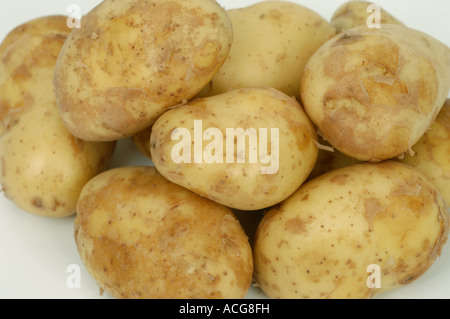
373	93
141	236
132	59
273	40
43	167
247	149
351	233
353	14
432	153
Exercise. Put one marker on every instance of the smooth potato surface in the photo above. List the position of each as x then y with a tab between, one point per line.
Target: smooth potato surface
229	175
43	167
141	236
132	59
273	40
373	93
320	242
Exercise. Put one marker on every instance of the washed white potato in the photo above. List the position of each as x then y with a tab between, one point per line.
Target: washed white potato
273	40
143	237
351	233
43	167
131	60
247	149
373	93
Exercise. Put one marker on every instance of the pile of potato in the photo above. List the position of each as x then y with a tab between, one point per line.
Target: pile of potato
360	158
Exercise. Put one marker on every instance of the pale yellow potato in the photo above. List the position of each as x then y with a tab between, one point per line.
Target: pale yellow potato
141	236
373	93
25	51
133	59
42	166
326	240
432	153
273	40
357	13
248	172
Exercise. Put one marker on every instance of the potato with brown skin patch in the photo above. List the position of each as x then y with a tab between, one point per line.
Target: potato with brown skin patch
320	241
355	13
432	153
273	40
373	93
250	149
43	167
131	60
143	237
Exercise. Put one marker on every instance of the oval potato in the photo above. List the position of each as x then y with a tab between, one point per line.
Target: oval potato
141	236
43	167
247	149
373	93
132	59
273	40
321	241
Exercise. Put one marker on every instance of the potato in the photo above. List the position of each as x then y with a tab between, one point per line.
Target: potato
273	40
42	166
141	236
25	51
432	153
247	149
142	142
356	13
132	59
339	234
373	93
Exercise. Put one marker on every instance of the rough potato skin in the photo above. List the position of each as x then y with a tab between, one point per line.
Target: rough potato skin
373	93
42	166
319	242
143	237
431	155
239	185
354	14
133	59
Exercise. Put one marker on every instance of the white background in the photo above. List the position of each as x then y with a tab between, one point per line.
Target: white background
35	251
